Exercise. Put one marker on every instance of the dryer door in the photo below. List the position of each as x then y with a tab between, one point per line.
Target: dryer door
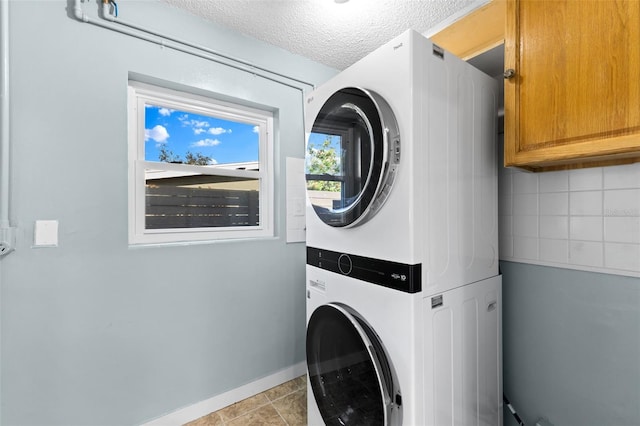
352	380
353	151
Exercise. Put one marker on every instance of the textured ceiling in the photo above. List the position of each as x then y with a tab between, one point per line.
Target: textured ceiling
334	34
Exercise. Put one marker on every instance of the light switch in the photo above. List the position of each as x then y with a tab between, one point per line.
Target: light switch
45	233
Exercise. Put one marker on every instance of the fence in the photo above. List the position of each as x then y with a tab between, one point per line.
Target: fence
182	207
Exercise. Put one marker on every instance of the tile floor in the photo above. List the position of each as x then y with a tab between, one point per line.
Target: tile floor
283	405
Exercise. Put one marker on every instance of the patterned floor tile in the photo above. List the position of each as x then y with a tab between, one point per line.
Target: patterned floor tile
283	405
242	407
293	408
263	416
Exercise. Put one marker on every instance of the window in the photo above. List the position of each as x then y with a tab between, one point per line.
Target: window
199	168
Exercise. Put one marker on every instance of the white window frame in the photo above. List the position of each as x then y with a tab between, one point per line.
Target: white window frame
141	93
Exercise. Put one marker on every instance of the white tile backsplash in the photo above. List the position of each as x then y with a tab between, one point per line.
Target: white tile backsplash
505	206
585	179
506	247
581	219
622	202
525	204
525	183
585	203
505	236
622	256
622	177
525	248
585	228
525	226
554	203
586	253
554	181
622	229
554	251
556	227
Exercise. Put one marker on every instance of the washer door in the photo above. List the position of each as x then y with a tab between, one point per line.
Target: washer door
353	151
352	380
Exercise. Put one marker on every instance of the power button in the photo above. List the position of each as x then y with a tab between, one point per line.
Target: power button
344	264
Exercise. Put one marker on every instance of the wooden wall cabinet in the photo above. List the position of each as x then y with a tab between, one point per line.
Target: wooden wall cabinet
574	97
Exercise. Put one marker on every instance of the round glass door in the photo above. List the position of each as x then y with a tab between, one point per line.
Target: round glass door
350	376
352	154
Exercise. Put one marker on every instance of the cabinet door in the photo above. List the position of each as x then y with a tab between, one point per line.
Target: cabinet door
574	100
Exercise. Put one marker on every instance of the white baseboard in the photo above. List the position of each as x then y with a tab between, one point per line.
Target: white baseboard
202	408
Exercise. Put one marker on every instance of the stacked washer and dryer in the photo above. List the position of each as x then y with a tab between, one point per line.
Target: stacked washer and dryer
403	289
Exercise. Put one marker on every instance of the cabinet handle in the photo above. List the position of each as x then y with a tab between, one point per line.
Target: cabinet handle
510	73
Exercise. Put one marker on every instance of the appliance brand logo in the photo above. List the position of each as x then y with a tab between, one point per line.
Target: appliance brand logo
400	277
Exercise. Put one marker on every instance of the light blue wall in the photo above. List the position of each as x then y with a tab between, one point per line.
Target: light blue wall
95	332
571	344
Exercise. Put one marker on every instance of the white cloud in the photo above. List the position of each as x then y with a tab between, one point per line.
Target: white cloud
184	119
165	112
158	134
256	129
218	130
206	142
198	126
196	123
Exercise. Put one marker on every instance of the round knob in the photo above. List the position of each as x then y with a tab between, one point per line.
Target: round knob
344	264
509	73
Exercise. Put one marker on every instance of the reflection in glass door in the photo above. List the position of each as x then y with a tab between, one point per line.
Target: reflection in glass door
349	157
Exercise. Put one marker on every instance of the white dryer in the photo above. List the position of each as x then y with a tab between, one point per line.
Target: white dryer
401	163
403	291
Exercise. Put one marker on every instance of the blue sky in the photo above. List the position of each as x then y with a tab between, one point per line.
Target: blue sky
221	140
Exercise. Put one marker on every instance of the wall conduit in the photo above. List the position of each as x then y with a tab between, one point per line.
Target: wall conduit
123	27
7	233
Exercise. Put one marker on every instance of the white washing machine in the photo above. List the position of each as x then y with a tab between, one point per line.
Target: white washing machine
381	356
404	296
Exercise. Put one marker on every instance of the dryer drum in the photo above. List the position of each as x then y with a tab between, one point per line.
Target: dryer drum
352	154
350	375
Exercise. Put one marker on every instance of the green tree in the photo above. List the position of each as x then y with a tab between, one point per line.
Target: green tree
197	159
167	156
323	161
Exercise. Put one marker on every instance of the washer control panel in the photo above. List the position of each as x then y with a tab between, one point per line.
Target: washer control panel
399	276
